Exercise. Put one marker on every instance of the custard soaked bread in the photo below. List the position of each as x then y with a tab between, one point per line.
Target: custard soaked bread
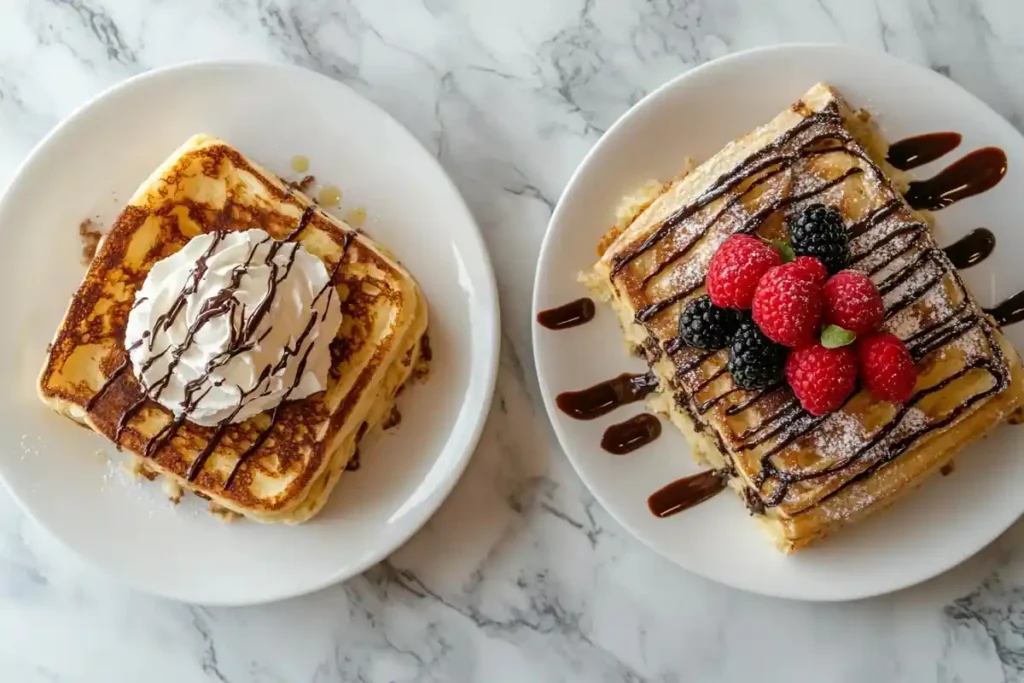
249	426
805	475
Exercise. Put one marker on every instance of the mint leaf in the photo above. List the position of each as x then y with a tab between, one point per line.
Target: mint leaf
784	249
834	337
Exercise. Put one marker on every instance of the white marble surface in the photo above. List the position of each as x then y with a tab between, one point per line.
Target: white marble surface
521	576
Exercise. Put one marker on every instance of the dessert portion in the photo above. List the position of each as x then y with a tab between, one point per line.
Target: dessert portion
235	338
807	335
233	325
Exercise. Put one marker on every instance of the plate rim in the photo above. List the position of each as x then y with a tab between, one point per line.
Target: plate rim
547	395
487	292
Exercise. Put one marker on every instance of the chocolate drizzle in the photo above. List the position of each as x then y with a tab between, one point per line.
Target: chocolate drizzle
300	370
604	397
683	494
626	437
899	237
873	219
648	312
884	237
796	423
926	341
760	161
1009	311
921	149
894	447
126	417
117	372
568	315
328	287
241	340
782	164
307	215
221	304
166	319
971	249
975	173
751	399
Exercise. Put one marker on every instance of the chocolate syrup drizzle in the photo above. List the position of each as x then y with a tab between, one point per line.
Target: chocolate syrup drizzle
304	219
222	304
604	397
971	249
1008	312
975	173
117	372
568	315
762	160
683	494
788	422
626	437
921	149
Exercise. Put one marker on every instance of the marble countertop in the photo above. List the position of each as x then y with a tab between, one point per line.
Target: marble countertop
521	576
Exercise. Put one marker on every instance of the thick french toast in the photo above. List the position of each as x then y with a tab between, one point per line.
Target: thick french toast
278	466
805	476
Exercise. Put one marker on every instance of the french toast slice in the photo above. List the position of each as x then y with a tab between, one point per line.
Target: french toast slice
269	471
803	476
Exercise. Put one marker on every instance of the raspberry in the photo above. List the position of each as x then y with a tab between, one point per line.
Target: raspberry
820	231
755	361
706	326
852	302
822	379
787	305
735	269
887	368
812	268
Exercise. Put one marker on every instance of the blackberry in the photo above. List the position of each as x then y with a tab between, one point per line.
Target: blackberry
706	326
755	361
820	231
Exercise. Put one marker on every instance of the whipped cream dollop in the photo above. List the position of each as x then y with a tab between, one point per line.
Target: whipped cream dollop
232	325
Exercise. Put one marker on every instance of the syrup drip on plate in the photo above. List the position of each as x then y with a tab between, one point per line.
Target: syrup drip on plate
972	248
626	437
604	397
683	494
975	173
568	315
1008	312
921	149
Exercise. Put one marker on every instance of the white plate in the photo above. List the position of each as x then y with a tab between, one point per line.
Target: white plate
935	528
89	166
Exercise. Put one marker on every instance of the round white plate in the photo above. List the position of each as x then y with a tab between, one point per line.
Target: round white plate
69	480
933	529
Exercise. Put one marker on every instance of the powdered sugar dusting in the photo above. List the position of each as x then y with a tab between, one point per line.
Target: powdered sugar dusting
934	305
839	438
922	296
30	445
973	345
885	261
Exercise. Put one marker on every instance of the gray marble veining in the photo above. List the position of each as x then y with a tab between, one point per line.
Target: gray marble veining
521	576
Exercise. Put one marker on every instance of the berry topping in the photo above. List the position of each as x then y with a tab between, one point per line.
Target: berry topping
819	231
887	368
706	326
810	267
787	305
852	302
735	269
755	361
822	379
